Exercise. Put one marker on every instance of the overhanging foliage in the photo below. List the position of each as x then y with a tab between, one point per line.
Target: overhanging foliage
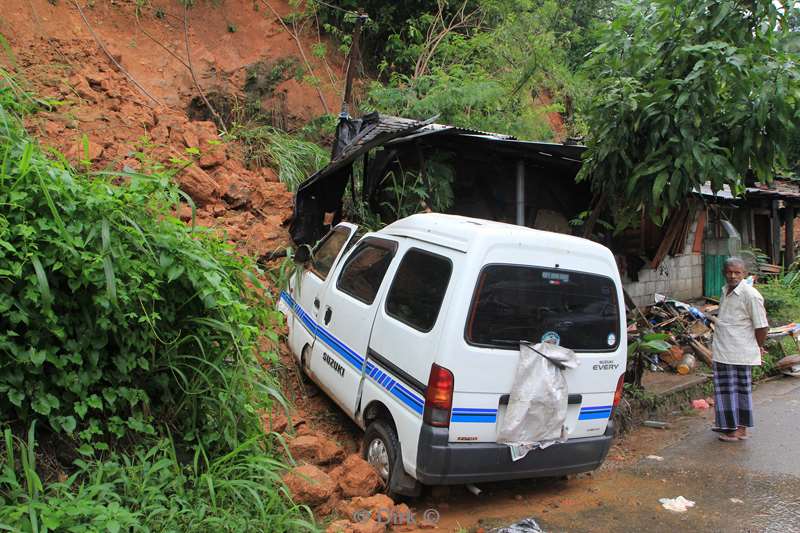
689	92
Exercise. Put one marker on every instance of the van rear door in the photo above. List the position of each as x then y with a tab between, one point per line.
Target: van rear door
521	302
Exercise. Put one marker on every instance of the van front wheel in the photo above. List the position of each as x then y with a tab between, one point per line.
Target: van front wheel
382	451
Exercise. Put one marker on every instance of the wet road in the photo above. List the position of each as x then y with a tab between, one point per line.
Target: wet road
752	485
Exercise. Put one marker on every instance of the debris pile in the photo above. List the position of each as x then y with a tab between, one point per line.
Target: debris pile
684	333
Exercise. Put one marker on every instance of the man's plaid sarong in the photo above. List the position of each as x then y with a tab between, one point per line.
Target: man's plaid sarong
733	399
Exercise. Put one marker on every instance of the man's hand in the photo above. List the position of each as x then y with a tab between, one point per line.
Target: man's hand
761	338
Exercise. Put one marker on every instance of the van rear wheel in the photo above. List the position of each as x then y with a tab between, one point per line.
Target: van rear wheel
382	450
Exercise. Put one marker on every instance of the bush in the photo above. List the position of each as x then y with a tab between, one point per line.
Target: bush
115	317
781	301
120	327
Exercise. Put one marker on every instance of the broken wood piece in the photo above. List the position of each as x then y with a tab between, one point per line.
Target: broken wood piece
675	224
666	322
788	362
701	351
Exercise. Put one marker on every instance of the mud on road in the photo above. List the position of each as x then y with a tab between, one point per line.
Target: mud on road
752	485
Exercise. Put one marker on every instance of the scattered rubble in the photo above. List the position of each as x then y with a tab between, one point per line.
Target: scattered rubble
315	449
310	485
356	477
686	329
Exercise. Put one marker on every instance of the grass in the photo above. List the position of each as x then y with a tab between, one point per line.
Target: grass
294	158
781	301
148	490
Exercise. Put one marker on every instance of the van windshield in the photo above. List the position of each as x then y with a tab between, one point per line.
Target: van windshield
514	302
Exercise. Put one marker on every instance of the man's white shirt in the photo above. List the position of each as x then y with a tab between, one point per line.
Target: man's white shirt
740	313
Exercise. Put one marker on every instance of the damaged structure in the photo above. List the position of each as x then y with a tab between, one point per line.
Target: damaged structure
498	177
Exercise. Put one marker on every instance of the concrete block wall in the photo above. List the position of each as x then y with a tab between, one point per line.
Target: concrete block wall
679	277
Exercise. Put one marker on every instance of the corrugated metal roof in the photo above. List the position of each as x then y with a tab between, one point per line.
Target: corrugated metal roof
779	189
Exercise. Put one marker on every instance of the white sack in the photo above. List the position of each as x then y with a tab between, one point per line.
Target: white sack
537	407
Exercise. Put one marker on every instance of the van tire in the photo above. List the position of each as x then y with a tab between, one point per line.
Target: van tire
382	450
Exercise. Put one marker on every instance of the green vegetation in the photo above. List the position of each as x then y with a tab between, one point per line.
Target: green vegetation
685	93
497	65
129	345
295	158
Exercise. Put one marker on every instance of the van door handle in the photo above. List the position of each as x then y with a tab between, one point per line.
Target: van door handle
316	303
328	313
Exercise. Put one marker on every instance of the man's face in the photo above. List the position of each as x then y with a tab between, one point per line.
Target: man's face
734	274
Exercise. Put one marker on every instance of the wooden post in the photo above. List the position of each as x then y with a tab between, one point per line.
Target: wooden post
775	226
521	192
789	258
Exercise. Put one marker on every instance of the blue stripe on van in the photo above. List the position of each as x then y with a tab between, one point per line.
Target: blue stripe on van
385	380
474	415
408	398
595	413
482	419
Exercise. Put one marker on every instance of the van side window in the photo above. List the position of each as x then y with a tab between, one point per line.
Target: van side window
326	251
365	268
418	289
515	302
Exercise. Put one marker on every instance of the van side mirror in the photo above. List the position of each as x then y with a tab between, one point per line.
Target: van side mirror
302	254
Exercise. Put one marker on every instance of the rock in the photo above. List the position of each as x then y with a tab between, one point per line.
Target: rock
340	526
77	152
212	149
198	185
302	428
310	485
370	526
315	449
83	89
328	506
356	477
212	155
401	515
272	198
190	140
268	174
275	421
379	504
184	212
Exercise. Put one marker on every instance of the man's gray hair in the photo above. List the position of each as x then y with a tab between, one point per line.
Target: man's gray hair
734	261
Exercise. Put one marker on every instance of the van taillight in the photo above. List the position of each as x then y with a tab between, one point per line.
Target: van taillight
438	397
618	392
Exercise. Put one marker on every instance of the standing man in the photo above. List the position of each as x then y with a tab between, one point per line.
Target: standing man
739	337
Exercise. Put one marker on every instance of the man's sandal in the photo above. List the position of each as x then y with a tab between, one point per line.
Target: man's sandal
728	438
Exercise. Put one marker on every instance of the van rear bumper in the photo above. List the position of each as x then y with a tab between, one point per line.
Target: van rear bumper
440	462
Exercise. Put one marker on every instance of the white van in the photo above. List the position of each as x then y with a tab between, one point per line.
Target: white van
414	332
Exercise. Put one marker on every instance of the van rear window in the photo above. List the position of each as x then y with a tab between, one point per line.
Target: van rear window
514	303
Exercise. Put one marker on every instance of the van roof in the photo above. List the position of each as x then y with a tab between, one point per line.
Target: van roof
459	233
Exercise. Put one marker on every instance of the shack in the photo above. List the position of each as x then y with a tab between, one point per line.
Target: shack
377	158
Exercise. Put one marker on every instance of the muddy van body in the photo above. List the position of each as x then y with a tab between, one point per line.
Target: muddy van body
414	332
